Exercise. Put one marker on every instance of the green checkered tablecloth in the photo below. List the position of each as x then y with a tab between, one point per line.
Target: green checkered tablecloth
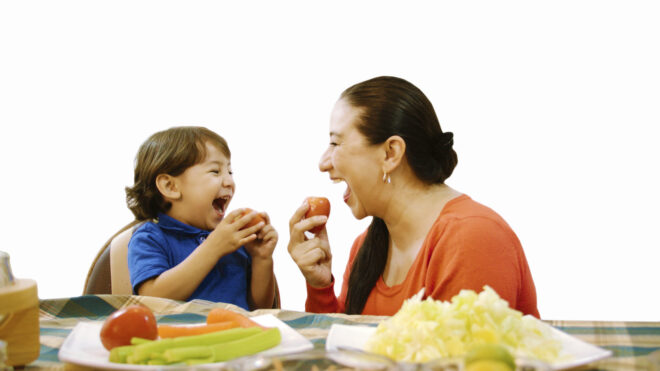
630	342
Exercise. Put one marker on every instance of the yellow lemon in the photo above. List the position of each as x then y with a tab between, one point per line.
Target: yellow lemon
488	365
492	353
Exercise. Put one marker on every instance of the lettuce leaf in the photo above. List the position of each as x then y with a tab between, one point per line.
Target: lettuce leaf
423	330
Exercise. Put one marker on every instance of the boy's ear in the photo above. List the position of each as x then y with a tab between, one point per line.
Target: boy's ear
395	149
167	187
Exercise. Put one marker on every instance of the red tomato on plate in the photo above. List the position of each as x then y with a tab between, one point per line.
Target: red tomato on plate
317	206
126	323
258	218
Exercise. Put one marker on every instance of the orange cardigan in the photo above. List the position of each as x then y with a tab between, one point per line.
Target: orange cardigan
468	246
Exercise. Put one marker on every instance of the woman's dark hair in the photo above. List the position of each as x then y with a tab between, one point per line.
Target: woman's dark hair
393	106
171	152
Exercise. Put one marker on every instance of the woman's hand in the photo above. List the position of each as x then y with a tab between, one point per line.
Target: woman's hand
312	256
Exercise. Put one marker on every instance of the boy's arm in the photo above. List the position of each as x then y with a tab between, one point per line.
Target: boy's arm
180	281
262	281
262	284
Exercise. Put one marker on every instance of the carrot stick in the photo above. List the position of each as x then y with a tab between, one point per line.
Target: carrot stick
172	331
222	315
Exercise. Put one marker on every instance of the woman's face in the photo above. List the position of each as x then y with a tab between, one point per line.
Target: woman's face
351	159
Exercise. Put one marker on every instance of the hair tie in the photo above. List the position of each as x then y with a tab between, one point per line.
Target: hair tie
447	139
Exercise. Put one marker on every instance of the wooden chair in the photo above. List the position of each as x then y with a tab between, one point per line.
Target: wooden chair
109	271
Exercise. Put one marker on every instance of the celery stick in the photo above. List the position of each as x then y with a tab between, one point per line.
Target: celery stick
199	361
185	353
138	341
262	340
119	354
143	352
247	346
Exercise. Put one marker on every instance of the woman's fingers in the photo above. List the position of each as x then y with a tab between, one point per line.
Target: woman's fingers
298	215
310	252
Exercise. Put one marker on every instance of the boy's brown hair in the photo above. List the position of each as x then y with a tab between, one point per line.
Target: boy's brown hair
171	152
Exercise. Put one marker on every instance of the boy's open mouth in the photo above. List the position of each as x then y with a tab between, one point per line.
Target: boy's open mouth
219	205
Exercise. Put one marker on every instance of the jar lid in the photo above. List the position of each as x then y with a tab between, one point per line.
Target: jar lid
6	276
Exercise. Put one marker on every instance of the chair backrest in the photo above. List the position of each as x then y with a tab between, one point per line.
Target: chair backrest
109	268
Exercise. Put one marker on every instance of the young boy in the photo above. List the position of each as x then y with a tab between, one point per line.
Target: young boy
188	248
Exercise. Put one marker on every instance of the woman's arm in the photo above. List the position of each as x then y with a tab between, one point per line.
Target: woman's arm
312	256
323	300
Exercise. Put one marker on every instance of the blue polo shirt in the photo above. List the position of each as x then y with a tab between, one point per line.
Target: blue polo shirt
156	247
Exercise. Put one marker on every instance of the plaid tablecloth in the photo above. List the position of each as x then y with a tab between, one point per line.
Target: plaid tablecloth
630	342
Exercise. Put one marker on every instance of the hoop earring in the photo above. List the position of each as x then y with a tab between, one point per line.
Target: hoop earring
386	178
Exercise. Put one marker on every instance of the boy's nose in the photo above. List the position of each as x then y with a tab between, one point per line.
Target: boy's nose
324	163
228	182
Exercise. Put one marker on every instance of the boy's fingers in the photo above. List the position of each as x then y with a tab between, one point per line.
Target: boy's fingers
250	230
248	239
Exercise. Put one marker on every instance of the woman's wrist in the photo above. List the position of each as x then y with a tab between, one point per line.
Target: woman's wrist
320	284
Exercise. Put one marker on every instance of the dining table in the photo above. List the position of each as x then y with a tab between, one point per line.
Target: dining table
633	345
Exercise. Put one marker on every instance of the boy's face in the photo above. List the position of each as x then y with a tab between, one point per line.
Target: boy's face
206	189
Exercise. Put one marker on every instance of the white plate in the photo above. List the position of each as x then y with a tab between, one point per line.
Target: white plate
83	345
579	352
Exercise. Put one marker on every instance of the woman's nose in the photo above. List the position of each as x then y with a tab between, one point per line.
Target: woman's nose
325	164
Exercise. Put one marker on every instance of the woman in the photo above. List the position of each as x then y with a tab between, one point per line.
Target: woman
386	144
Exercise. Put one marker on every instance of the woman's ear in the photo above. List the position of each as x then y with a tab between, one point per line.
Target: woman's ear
167	187
395	149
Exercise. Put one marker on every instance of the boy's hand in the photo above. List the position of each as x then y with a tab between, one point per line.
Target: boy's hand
264	245
229	234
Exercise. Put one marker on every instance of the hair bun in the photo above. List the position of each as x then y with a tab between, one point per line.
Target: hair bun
446	140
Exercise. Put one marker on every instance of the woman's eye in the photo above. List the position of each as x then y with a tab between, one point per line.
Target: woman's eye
333	144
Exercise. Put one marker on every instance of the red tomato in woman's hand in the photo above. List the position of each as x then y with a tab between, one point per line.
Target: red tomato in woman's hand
126	323
257	218
317	206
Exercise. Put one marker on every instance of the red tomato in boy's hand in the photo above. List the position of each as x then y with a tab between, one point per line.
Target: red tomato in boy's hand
317	206
257	218
126	323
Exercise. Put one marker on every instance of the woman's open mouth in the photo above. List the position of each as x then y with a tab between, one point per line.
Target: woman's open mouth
347	193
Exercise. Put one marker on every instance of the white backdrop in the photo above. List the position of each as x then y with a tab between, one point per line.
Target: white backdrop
554	106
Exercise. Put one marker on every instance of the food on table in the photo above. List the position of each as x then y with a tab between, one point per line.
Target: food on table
216	346
224	336
423	330
172	331
223	315
489	357
126	323
317	206
255	220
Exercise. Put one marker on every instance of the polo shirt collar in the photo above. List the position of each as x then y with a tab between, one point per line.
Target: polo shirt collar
169	223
